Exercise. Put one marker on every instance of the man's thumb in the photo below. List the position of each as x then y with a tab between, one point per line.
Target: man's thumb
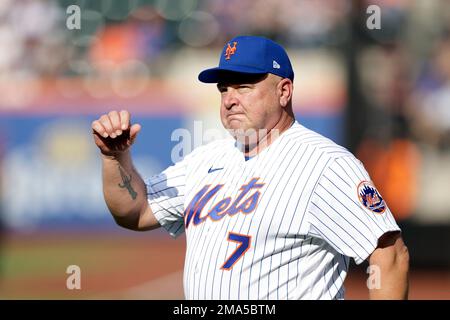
134	130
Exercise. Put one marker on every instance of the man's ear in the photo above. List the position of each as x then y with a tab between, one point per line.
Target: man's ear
285	88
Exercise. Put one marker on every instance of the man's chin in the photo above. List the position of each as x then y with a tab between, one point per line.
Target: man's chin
236	124
235	128
238	131
244	135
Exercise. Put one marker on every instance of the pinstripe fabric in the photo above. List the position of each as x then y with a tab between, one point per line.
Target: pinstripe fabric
296	201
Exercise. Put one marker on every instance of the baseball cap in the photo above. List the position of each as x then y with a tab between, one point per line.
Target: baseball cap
250	55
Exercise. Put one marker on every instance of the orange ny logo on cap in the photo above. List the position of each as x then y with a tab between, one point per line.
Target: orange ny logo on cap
230	50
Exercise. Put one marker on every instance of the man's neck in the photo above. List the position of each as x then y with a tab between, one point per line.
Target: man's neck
285	123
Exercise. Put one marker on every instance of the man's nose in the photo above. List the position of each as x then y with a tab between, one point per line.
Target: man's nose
230	99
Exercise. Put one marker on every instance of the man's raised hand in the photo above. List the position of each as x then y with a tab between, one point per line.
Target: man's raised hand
113	132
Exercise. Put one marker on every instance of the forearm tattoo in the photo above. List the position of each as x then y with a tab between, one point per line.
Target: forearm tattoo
126	183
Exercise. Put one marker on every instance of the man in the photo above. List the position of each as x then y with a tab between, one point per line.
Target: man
275	213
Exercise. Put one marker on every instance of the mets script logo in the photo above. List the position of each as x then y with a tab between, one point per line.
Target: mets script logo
245	203
370	197
230	50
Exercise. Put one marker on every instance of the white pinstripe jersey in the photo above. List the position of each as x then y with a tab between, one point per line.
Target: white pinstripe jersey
282	225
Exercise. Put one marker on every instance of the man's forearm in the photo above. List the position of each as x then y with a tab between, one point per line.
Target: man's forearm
124	190
393	285
390	262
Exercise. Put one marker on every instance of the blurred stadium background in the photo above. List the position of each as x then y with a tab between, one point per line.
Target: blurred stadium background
384	94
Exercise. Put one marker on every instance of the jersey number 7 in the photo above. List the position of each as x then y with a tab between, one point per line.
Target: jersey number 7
244	241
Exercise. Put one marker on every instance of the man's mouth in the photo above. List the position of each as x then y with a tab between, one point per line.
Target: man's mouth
236	114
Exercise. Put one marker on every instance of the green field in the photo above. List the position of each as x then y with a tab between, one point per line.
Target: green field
34	266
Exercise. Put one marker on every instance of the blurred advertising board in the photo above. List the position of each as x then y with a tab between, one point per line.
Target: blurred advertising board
51	171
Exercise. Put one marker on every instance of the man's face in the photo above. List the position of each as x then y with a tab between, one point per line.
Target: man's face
249	102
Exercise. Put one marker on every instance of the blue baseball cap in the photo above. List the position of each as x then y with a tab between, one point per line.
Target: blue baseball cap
250	55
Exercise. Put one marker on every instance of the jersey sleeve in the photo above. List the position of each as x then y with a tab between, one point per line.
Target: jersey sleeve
165	195
347	211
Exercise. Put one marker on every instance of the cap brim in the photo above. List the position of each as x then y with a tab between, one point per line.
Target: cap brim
215	75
